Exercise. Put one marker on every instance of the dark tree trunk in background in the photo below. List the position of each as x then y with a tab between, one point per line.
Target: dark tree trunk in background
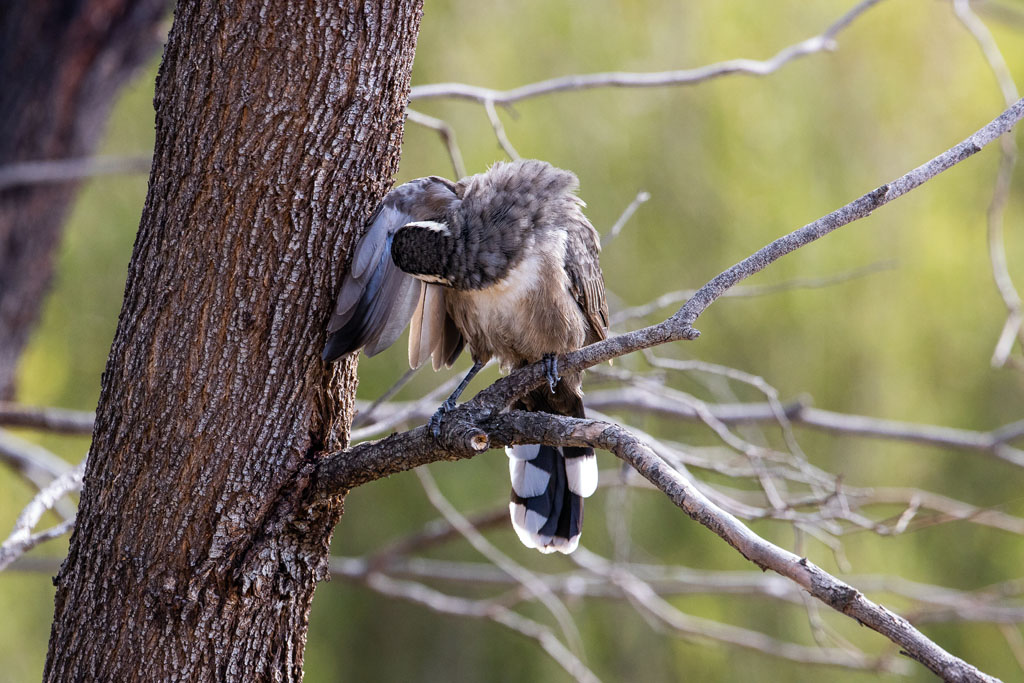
197	548
62	63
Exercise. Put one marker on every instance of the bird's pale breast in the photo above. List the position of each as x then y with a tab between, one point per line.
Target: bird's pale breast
526	314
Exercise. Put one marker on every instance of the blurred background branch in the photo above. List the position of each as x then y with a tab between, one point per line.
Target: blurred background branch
489	97
68	170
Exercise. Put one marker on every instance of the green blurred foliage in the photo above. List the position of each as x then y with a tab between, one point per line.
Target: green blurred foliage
730	165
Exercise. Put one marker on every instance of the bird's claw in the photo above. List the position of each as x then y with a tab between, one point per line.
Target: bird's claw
551	370
435	419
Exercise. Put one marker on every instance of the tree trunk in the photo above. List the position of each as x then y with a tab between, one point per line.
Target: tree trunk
197	546
61	64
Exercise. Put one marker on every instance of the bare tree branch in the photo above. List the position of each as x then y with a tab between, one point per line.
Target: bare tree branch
1013	328
64	170
931	603
35	461
823	42
680	325
740	291
483	609
989	48
447	134
627	213
664	402
857	209
22	539
499	130
947	508
527	579
642	399
67	170
617	582
696	627
37	465
542	428
48	419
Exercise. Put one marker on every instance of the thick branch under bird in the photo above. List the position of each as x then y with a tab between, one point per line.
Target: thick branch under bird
503	262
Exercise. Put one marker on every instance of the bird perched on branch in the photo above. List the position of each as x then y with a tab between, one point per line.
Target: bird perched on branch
506	263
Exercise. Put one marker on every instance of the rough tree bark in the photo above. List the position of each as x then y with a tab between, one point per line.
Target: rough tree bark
62	62
197	547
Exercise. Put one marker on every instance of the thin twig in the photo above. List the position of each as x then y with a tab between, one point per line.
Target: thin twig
22	539
364	415
1013	328
641	398
644	399
825	41
770	393
646	598
481	609
499	130
929	603
1014	641
543	428
855	210
525	577
1009	14
447	134
744	291
395	418
59	420
70	170
36	464
627	213
435	532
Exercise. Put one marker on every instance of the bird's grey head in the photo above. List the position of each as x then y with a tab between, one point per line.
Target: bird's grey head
425	199
526	188
489	224
423	249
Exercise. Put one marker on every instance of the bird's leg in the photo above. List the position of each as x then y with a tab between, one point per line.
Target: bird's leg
551	370
449	403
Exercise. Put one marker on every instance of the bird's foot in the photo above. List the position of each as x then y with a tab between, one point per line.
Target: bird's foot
435	419
551	370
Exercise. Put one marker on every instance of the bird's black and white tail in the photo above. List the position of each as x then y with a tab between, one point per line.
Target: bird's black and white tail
548	488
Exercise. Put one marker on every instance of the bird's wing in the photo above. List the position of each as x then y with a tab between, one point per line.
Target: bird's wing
451	344
377	299
432	331
586	283
427	324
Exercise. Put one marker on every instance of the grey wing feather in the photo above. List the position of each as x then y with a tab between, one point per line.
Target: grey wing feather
427	324
416	329
432	331
376	299
371	246
586	280
386	323
451	344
